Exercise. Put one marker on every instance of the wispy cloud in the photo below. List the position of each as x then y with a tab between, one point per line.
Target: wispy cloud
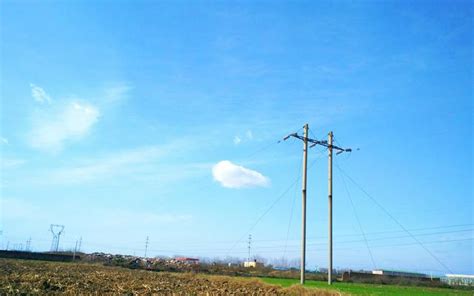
116	93
145	164
109	166
143	218
39	94
248	137
7	163
231	175
237	140
67	120
3	140
54	126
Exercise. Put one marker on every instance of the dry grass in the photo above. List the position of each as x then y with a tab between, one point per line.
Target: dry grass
22	277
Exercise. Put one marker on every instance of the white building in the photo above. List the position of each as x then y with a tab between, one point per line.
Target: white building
253	264
459	280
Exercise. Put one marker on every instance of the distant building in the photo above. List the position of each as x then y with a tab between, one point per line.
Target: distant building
459	280
187	260
253	264
399	273
386	276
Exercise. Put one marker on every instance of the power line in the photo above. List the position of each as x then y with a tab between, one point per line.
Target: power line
395	220
264	213
291	215
358	222
315	239
256	250
269	209
289	221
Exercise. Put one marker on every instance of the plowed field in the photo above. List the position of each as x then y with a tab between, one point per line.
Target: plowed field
40	277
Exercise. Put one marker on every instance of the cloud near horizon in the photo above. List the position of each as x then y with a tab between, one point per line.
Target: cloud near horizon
230	175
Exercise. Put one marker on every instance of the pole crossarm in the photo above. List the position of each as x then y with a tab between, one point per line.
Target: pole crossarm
318	142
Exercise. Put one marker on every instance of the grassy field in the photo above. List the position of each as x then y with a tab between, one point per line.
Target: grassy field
368	289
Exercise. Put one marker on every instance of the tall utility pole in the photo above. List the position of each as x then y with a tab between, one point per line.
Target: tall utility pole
329	145
250	242
330	135
340	150
303	215
305	140
146	246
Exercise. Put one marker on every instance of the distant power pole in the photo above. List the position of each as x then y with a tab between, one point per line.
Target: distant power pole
75	250
28	245
146	246
250	241
80	244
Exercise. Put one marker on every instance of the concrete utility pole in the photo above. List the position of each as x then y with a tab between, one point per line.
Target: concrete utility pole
303	215
330	136
339	150
250	241
146	246
75	250
330	146
80	243
314	142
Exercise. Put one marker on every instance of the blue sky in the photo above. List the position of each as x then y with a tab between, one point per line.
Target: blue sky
123	120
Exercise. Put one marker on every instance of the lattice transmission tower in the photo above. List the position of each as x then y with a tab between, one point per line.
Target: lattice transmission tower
56	230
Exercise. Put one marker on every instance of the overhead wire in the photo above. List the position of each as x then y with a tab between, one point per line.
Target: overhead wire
292	209
270	208
358	222
394	219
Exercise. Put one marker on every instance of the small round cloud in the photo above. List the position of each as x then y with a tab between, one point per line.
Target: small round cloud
231	175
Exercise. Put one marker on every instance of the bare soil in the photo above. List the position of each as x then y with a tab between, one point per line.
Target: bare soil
24	277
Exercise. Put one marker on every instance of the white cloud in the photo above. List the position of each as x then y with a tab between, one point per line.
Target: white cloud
237	140
4	140
53	127
231	175
39	94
